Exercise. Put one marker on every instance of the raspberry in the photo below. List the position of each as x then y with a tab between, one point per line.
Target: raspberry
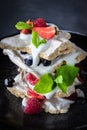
33	106
32	79
39	22
35	95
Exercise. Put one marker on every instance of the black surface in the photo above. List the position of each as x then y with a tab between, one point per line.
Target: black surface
11	112
67	14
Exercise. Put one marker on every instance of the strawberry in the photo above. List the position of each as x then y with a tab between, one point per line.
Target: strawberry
25	31
32	79
35	95
33	106
45	32
39	22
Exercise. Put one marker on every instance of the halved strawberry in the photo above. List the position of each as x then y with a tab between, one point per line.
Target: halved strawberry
45	32
32	79
34	94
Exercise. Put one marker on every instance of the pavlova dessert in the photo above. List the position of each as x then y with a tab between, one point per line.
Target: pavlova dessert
47	67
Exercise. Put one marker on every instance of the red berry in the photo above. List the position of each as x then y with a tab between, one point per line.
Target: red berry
73	96
35	95
32	79
33	106
25	31
45	32
39	22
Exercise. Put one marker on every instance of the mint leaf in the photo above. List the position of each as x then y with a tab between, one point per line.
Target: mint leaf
42	41
63	86
45	84
22	25
68	73
59	79
36	39
65	76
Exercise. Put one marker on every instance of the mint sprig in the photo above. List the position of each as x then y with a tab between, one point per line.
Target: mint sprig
68	73
22	25
65	76
36	39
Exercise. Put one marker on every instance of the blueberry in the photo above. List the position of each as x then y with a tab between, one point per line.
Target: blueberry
46	62
28	62
9	82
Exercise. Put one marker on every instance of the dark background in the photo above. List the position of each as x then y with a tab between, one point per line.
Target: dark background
67	14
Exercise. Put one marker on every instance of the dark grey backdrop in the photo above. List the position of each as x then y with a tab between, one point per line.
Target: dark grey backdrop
67	14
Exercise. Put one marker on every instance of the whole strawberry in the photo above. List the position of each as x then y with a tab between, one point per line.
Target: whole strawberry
33	106
39	22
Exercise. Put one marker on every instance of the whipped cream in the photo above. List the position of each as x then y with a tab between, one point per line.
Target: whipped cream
25	37
18	59
57	105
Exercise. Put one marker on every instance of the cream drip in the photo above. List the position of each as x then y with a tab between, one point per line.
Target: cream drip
36	52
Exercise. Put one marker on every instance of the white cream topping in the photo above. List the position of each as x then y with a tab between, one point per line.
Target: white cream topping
36	52
40	69
52	47
24	102
25	37
20	84
18	61
70	59
57	105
